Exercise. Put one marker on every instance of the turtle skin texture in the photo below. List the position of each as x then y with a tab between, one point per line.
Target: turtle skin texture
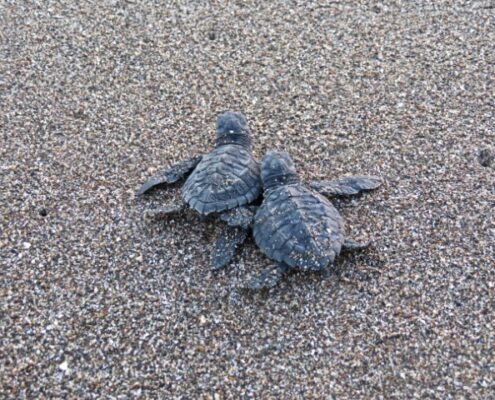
299	227
225	178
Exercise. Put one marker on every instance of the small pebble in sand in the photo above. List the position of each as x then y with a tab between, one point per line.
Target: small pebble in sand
486	157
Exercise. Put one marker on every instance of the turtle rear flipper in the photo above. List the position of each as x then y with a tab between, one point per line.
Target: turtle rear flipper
346	186
240	216
226	245
268	278
171	175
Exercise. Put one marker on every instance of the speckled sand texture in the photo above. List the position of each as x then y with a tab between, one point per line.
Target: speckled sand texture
97	96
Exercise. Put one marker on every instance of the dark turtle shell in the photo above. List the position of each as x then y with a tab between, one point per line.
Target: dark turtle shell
299	227
225	178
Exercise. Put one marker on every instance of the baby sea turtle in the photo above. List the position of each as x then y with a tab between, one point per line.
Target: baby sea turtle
223	181
295	225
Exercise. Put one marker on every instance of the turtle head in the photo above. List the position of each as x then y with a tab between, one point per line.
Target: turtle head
277	169
231	122
232	128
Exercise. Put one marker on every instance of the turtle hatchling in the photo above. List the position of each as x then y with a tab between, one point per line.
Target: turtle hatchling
223	182
295	225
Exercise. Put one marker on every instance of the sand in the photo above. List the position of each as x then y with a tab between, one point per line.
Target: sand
96	97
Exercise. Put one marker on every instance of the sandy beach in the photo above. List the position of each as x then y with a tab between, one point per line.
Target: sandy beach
95	97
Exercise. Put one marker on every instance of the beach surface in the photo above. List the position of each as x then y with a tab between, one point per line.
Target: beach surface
95	97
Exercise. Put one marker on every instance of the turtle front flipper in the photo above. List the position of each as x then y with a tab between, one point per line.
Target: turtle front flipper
173	174
351	245
163	212
268	278
346	186
226	245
